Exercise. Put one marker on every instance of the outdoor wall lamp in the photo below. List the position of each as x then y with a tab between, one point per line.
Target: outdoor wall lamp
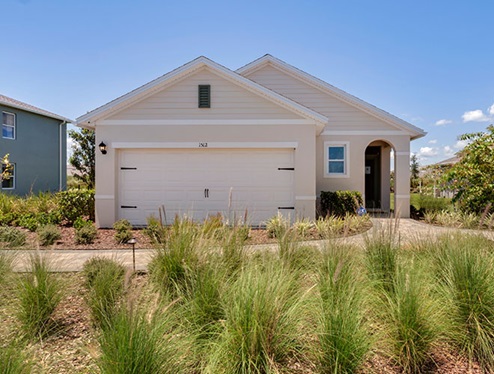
102	148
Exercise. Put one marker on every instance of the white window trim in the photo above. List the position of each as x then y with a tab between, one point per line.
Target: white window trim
346	163
12	177
15	125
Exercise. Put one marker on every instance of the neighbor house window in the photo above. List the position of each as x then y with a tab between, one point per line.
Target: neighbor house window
204	96
9	184
336	162
8	125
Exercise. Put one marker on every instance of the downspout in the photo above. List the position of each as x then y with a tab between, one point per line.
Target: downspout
60	155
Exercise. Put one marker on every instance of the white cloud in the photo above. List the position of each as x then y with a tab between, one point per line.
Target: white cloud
451	150
427	152
448	151
443	122
460	144
491	110
433	141
474	116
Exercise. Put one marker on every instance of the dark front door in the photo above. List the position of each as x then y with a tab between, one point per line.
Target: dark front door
373	177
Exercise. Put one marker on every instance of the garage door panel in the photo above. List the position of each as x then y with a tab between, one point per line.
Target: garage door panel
177	179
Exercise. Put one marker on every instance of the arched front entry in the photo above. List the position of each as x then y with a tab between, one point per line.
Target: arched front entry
377	176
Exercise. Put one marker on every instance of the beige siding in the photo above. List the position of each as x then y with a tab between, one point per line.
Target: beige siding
228	101
342	116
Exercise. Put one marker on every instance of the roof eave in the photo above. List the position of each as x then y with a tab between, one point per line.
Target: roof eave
40	113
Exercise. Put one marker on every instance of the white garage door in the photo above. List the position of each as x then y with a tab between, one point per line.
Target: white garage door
202	182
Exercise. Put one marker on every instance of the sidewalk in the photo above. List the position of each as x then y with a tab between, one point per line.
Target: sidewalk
73	260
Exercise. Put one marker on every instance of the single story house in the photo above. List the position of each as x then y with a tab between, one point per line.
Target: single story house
266	138
36	141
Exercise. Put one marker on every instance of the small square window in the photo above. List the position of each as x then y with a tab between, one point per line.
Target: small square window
8	125
9	183
204	96
336	159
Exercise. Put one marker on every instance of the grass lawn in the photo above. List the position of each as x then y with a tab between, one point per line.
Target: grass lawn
417	200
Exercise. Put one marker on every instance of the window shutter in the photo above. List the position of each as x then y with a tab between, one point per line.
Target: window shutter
204	96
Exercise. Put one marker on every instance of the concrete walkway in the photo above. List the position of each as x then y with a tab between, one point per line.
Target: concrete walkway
73	260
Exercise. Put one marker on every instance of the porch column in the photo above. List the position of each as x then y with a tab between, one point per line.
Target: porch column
402	183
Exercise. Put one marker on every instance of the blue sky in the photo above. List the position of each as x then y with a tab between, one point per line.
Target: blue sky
429	62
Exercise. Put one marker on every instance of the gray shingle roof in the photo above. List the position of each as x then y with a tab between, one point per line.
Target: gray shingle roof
8	101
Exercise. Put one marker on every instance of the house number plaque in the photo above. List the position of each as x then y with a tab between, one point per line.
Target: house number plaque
203	145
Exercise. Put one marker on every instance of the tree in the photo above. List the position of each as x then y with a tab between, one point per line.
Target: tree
473	176
414	171
6	168
82	158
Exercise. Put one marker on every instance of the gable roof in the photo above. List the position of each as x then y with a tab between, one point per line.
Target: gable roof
267	59
8	101
172	77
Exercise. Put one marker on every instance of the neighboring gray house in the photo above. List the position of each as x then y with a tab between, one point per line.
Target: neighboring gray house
36	141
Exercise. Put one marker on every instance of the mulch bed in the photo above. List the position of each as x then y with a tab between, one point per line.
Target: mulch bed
106	240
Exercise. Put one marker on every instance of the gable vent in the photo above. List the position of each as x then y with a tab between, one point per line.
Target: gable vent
204	96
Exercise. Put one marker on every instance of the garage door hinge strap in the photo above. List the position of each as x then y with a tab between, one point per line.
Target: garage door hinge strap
123	168
286	169
128	207
286	207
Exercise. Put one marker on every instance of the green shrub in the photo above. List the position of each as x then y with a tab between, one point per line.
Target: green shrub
75	204
429	203
353	224
212	226
14	361
6	218
339	203
303	227
12	237
277	226
86	234
343	335
39	293
233	250
261	331
329	227
81	222
172	265
453	218
381	260
290	250
29	212
156	231
123	231
48	234
411	320
465	270
104	280
27	221
144	342
203	299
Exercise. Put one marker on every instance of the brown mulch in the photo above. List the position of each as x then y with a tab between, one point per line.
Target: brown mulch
71	349
106	240
443	361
